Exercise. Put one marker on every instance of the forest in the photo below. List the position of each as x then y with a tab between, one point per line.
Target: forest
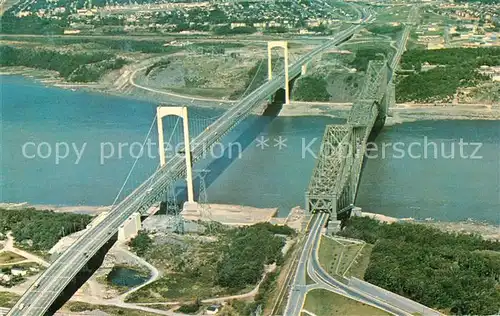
40	230
384	29
246	252
364	55
75	67
452	272
32	25
457	67
231	261
311	88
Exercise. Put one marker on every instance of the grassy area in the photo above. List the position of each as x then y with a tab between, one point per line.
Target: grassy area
329	255
337	257
231	261
325	303
348	256
8	299
394	14
7	257
111	310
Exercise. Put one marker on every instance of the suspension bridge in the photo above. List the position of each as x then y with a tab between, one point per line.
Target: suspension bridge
40	296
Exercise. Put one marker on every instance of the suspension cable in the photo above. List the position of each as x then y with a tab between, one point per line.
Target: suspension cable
135	163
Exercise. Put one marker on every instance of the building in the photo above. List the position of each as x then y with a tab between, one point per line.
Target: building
5	277
235	25
431	46
213	309
71	32
18	272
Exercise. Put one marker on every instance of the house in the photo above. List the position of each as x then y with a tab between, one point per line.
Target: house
5	277
213	309
69	32
236	24
18	272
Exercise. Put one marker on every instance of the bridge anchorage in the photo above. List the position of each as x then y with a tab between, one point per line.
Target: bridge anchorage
334	183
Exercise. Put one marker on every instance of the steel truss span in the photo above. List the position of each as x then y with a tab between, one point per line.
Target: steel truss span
334	182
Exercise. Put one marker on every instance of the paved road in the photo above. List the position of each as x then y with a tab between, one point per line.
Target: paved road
309	263
334	283
9	246
52	282
298	288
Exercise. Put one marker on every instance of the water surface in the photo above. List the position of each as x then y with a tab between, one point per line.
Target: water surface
273	170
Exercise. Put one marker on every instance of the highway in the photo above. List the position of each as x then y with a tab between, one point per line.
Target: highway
412	16
309	263
39	297
298	288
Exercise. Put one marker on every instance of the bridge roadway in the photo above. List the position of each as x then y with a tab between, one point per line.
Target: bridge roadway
44	291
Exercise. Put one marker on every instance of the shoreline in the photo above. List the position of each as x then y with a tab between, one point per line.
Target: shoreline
82	209
486	230
470	226
401	113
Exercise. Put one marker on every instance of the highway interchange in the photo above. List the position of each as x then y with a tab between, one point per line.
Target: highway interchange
39	297
309	263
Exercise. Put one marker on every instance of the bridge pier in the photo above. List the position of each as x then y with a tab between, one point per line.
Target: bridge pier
284	45
130	228
303	70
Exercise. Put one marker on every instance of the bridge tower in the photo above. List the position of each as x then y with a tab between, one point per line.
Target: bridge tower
284	45
161	112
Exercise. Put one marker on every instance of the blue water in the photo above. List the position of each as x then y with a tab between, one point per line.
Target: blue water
449	187
122	276
272	176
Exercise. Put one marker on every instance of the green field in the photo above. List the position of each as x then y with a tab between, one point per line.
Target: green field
392	14
78	307
326	303
339	257
7	257
8	299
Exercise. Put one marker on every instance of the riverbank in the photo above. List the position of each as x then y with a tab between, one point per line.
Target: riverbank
404	112
487	231
121	83
81	209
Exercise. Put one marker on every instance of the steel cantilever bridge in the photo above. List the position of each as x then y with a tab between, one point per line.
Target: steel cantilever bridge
38	299
334	183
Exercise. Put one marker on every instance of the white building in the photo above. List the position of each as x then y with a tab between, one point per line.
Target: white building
16	272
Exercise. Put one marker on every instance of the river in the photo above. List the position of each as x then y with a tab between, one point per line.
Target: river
67	147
